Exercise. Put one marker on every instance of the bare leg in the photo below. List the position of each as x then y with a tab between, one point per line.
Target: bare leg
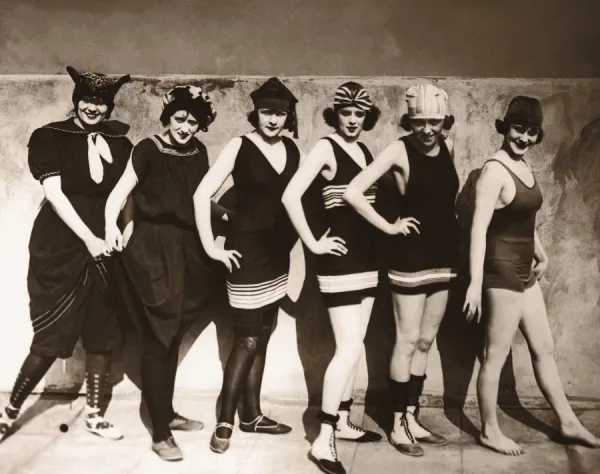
347	324
435	308
505	312
537	332
408	312
366	309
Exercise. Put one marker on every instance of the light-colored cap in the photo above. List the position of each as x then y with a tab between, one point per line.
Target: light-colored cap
427	101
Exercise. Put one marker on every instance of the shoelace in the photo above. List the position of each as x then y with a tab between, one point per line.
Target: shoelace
178	417
404	424
171	442
352	426
332	446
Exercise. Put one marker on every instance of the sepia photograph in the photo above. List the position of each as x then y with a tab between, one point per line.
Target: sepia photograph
300	236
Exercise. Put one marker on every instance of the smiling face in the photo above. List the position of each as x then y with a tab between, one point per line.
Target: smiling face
520	138
182	127
427	130
91	111
351	121
271	122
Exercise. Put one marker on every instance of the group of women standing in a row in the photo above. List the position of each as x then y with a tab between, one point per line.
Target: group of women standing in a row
175	267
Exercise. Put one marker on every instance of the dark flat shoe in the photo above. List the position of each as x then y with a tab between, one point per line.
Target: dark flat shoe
220	445
263	424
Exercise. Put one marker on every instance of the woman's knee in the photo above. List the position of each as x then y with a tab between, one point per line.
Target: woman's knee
349	350
406	342
496	353
541	349
424	343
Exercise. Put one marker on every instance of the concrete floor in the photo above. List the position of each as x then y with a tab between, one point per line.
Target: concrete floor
38	446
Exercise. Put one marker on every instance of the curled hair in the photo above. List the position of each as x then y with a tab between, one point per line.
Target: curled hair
502	127
405	122
289	121
331	117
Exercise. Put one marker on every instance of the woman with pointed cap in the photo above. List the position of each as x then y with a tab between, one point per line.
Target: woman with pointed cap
256	251
507	259
424	246
77	161
166	264
346	261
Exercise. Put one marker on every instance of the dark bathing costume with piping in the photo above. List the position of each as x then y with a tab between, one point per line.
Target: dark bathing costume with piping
345	280
510	240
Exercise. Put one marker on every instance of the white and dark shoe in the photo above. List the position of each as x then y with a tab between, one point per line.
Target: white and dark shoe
421	433
348	431
328	466
7	417
326	458
402	438
96	424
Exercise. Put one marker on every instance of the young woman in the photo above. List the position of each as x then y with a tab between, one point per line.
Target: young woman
506	260
346	262
424	247
165	261
77	161
258	245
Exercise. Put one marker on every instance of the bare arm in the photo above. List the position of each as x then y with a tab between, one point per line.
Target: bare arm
487	191
319	157
540	252
120	200
208	187
393	156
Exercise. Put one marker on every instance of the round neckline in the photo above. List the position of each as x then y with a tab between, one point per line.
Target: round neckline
410	141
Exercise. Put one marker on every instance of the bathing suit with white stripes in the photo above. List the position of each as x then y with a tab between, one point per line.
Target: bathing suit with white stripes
346	279
425	261
260	230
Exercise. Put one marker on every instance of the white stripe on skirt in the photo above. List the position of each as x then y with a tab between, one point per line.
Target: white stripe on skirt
425	277
257	295
348	282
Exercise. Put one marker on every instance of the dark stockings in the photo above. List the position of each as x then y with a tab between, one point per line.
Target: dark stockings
159	370
244	369
97	370
32	371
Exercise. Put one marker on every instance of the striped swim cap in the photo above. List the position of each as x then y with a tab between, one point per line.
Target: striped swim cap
427	101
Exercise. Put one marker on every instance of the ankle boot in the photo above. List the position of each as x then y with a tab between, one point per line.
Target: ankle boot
420	432
347	430
326	465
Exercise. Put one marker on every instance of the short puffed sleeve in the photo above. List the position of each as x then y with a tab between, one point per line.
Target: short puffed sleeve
44	154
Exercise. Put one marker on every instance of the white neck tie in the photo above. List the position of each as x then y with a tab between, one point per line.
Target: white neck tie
97	150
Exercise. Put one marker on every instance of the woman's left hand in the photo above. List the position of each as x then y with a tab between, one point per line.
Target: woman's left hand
539	268
127	233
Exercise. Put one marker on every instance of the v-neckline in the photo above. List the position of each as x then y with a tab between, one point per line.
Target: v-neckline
267	159
349	155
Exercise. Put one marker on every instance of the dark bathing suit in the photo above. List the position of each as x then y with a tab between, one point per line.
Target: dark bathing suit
510	240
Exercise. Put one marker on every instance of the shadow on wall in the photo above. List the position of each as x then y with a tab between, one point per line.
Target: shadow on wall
461	344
